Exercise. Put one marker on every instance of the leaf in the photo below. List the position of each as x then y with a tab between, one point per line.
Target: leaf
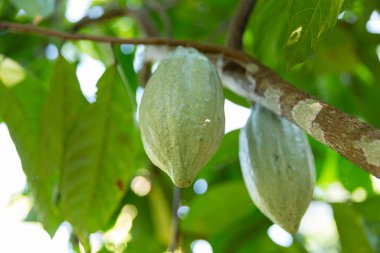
263	244
100	157
201	20
143	237
160	212
19	128
353	177
336	53
59	113
236	99
337	169
369	209
308	23
35	7
211	213
98	51
27	145
347	221
225	158
7	11
126	62
247	231
31	94
373	234
10	71
266	35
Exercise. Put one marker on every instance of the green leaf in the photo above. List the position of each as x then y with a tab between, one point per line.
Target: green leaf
347	221
31	94
353	177
160	212
243	233
201	20
126	62
308	23
335	54
98	51
7	11
261	242
373	234
35	7
59	113
226	157
211	213
236	99
369	209
143	237
266	35
100	157
27	145
19	128
337	169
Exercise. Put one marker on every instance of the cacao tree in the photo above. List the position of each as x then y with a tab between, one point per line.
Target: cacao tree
309	71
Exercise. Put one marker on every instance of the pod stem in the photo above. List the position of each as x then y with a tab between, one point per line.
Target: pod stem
175	219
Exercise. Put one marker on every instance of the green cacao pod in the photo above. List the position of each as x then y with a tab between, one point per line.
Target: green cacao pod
278	167
182	115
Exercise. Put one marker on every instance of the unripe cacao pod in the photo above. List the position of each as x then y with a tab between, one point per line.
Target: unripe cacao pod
278	167
182	115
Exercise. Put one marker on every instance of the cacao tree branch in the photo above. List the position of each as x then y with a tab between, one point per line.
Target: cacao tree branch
238	23
350	137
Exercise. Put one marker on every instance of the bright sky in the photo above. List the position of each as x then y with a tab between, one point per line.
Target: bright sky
18	236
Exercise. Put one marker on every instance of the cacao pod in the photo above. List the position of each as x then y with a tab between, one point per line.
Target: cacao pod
278	167
182	115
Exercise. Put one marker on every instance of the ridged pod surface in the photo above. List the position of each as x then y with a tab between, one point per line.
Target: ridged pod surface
182	115
278	167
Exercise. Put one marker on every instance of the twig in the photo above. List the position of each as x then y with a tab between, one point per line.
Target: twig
140	16
163	16
205	48
109	14
350	137
175	219
238	23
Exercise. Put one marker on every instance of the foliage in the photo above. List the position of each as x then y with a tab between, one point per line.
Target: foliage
82	160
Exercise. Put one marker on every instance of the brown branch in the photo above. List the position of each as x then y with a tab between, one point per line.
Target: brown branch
157	7
205	48
238	23
110	14
352	138
140	16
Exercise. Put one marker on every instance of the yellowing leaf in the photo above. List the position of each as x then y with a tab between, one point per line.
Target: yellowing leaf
11	72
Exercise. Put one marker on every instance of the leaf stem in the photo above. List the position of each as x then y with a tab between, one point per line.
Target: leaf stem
175	219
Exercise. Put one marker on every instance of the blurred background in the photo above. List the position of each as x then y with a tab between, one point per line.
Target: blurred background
216	213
